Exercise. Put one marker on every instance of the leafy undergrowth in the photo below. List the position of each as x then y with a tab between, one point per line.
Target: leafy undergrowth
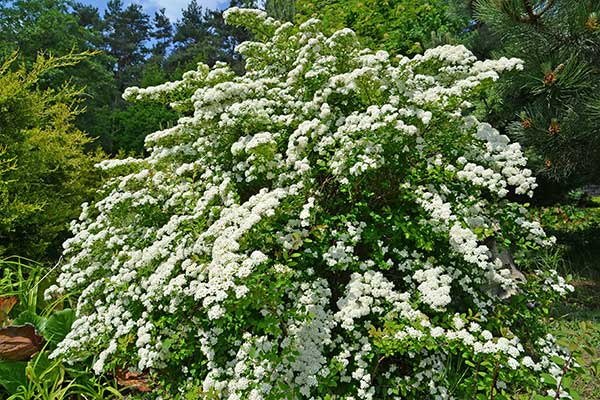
577	326
30	328
576	322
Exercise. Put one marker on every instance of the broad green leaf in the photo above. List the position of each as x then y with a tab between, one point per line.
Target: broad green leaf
58	325
12	375
27	317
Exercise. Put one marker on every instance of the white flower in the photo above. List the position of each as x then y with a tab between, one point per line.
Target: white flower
285	228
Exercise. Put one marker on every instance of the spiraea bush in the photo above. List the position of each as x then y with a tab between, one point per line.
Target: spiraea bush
316	229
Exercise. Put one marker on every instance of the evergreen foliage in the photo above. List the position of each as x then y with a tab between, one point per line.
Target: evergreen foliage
127	31
46	174
52	26
554	104
162	34
134	49
202	36
283	10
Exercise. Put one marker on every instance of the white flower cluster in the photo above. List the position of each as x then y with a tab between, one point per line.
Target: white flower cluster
298	217
434	287
556	283
341	254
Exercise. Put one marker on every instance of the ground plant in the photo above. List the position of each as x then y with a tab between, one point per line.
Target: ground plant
30	328
333	224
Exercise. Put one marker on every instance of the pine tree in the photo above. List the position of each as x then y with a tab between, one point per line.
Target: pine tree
89	16
554	104
201	35
191	38
127	33
227	37
162	34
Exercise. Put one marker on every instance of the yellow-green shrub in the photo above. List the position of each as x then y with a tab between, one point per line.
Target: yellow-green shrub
46	173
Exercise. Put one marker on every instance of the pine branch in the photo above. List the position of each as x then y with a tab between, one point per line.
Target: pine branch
532	16
529	9
548	6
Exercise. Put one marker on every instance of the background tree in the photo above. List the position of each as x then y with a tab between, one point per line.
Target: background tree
127	31
162	34
46	174
554	104
201	35
398	26
476	35
283	10
89	17
55	27
192	39
126	39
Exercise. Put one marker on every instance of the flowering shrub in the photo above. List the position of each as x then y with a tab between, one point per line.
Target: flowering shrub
316	228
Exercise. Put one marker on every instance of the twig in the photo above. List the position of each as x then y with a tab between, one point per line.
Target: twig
47	273
375	369
532	16
494	380
475	380
564	371
548	6
529	9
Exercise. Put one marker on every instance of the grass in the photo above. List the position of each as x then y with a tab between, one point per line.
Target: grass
577	326
576	322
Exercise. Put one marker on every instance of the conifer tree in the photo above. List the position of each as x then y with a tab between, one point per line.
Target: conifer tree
44	172
283	10
162	34
554	104
127	32
59	27
191	38
201	35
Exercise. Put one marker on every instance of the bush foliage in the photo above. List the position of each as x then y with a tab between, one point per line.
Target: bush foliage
45	173
397	26
328	225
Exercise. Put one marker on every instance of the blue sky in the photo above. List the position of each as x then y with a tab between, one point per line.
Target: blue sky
172	7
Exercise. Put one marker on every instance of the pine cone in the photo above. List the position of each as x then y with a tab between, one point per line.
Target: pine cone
554	128
549	78
592	22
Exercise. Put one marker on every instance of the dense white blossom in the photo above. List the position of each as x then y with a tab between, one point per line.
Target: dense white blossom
330	203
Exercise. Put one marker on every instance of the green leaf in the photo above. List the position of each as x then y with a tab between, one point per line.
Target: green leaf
27	317
58	325
41	368
549	379
558	360
12	375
